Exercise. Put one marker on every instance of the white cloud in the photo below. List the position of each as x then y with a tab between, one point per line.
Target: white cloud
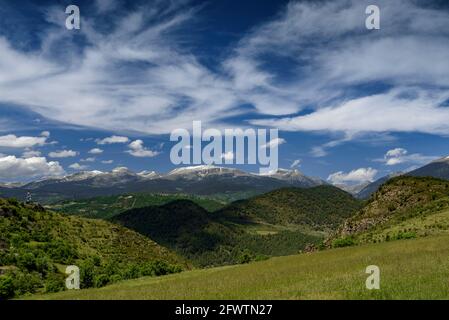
19	168
355	176
12	141
113	139
31	154
137	149
91	159
45	134
63	154
318	152
296	163
399	155
273	143
107	161
77	166
317	43
377	113
228	155
95	151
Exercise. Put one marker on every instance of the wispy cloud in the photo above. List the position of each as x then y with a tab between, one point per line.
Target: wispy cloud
273	143
63	154
400	155
296	163
142	74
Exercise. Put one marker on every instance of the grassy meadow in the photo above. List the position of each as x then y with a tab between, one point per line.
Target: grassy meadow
410	269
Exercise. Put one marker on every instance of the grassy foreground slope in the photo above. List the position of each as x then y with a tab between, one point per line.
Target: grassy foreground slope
410	269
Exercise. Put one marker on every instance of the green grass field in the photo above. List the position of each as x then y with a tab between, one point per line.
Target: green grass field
410	269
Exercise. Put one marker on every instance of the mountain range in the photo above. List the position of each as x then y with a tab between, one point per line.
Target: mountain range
197	180
201	180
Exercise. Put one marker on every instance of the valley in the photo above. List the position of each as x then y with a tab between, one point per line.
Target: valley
321	228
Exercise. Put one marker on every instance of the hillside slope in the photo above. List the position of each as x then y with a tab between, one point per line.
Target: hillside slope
110	206
280	222
319	208
408	271
36	244
404	207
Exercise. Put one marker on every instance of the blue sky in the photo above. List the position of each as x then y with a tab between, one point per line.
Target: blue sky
351	104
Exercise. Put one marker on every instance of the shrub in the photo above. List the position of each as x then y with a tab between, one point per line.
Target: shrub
87	274
343	242
101	280
54	283
26	282
245	257
6	287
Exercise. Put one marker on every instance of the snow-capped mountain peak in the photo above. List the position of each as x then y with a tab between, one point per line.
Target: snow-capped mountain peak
293	176
202	171
148	174
82	175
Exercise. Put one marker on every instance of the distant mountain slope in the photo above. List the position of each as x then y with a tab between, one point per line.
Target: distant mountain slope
318	207
295	178
403	207
371	188
437	169
35	244
200	180
109	206
280	222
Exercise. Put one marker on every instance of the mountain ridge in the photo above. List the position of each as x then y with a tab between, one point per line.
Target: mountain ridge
201	180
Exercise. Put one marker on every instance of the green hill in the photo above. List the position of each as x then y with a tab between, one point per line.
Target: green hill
36	245
109	206
280	222
403	207
410	269
318	208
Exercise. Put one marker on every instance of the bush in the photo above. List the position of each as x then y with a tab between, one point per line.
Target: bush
54	283
61	252
27	282
245	257
131	272
101	280
87	274
6	287
343	242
